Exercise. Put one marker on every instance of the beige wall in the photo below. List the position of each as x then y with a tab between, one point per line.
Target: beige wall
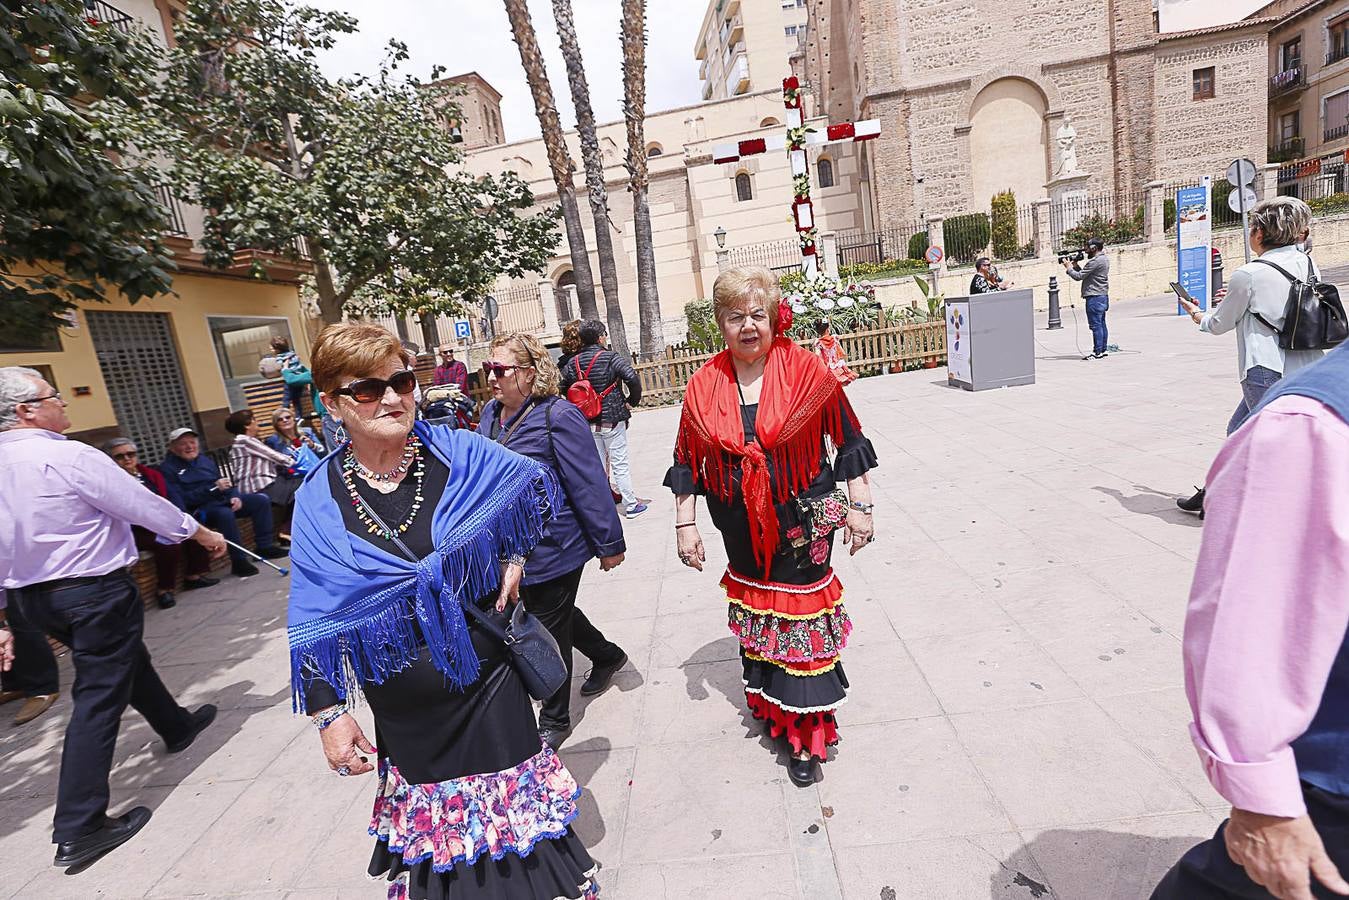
76	364
1007	141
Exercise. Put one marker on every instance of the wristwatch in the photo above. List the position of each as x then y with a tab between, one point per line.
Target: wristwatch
862	507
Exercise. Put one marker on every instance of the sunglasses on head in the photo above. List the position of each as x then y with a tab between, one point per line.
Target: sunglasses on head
499	370
368	390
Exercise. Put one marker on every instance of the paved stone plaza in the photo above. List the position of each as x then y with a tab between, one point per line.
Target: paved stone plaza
1017	724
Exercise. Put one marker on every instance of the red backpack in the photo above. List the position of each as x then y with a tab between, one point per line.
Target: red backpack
583	394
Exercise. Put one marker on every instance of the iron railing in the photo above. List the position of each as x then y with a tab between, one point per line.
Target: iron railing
174	208
97	12
783	257
1334	134
1290	79
1287	151
1337	53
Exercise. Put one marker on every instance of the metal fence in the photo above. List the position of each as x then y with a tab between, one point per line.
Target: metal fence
782	257
1116	218
97	12
881	246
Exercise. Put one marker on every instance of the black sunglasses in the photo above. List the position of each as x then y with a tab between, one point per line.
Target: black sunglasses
125	454
368	390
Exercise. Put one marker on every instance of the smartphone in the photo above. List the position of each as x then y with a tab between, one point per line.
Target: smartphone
1183	294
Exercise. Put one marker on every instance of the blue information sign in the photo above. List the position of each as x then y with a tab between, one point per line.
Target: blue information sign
1194	241
462	330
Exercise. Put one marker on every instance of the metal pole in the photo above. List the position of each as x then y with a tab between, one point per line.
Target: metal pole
1055	318
1245	231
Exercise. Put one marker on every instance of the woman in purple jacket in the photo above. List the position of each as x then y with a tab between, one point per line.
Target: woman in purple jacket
527	415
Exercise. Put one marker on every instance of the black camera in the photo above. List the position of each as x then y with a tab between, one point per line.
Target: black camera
1075	256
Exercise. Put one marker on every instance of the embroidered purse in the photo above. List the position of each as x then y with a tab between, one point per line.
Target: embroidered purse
820	516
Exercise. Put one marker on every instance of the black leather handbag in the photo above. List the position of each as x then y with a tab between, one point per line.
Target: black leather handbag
534	652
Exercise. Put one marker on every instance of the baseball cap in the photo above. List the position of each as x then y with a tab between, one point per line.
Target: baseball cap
176	433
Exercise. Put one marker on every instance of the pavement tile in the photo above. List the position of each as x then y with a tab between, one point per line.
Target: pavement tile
721	780
958	868
1071	764
885	685
605	774
701	702
1120	860
1156	723
997	668
1111	649
758	877
904	780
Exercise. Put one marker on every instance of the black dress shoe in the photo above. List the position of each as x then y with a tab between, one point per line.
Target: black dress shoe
801	771
166	600
191	584
1194	503
114	833
553	736
272	553
600	676
201	718
243	568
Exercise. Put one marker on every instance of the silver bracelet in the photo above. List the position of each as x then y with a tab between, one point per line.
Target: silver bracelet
862	507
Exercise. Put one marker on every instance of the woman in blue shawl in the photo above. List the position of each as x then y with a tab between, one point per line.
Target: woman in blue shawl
393	534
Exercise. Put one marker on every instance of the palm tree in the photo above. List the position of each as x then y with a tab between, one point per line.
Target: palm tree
594	166
634	111
559	160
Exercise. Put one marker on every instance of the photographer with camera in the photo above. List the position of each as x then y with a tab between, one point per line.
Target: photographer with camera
1095	278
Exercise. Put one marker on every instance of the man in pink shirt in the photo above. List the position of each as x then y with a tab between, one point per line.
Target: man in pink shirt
66	512
1266	653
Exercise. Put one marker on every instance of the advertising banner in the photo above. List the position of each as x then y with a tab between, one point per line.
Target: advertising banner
1194	242
958	340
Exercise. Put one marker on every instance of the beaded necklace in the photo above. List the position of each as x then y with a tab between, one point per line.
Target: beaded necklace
409	454
350	467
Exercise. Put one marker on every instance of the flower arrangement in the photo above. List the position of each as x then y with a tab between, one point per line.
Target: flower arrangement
845	305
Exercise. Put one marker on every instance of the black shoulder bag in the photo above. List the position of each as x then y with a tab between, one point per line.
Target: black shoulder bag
1313	318
534	652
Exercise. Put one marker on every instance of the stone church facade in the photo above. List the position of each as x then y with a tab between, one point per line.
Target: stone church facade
972	95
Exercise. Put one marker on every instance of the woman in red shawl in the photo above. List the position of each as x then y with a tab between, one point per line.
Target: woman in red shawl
760	420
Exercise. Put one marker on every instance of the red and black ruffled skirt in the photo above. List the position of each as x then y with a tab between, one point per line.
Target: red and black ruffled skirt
790	637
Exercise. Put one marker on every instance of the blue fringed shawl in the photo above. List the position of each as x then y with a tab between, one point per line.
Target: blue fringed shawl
348	620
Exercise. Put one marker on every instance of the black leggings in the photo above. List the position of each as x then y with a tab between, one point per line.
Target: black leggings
553	603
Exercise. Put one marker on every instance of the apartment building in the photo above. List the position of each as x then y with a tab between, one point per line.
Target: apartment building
744	45
180	359
1309	95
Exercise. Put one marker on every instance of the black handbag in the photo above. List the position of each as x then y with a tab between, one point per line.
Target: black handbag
534	652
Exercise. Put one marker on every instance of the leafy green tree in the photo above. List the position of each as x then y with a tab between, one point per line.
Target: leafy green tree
358	173
78	216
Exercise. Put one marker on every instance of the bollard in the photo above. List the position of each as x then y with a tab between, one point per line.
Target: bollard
1055	319
1216	281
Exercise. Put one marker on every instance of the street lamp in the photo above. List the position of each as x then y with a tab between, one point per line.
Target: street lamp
720	235
723	255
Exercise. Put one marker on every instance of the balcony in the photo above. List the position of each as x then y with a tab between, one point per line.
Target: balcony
173	208
1334	134
1337	53
737	77
731	52
1289	80
1287	151
96	12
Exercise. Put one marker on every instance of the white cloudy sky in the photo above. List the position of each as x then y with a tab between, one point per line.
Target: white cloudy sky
1182	15
474	35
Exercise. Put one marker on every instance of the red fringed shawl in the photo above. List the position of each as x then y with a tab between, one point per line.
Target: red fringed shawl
800	401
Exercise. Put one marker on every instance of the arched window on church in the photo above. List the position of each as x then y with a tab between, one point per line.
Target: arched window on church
743	189
769	121
653	150
824	173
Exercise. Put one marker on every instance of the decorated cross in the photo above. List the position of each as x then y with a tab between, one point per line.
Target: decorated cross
795	141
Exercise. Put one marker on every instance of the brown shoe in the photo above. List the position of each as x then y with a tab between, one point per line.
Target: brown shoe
34	707
6	696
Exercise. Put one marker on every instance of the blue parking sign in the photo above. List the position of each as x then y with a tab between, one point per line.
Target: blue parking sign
462	330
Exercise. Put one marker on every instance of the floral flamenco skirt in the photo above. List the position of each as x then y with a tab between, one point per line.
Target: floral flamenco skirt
790	639
500	836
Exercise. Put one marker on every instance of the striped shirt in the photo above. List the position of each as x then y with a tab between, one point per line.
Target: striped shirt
254	463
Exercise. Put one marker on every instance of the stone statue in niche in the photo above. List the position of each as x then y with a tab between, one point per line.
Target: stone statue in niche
1066	138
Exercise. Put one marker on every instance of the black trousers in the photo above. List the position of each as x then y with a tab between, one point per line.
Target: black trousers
101	620
1206	872
554	604
34	670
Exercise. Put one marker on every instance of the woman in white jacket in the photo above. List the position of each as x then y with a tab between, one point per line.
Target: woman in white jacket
1256	294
